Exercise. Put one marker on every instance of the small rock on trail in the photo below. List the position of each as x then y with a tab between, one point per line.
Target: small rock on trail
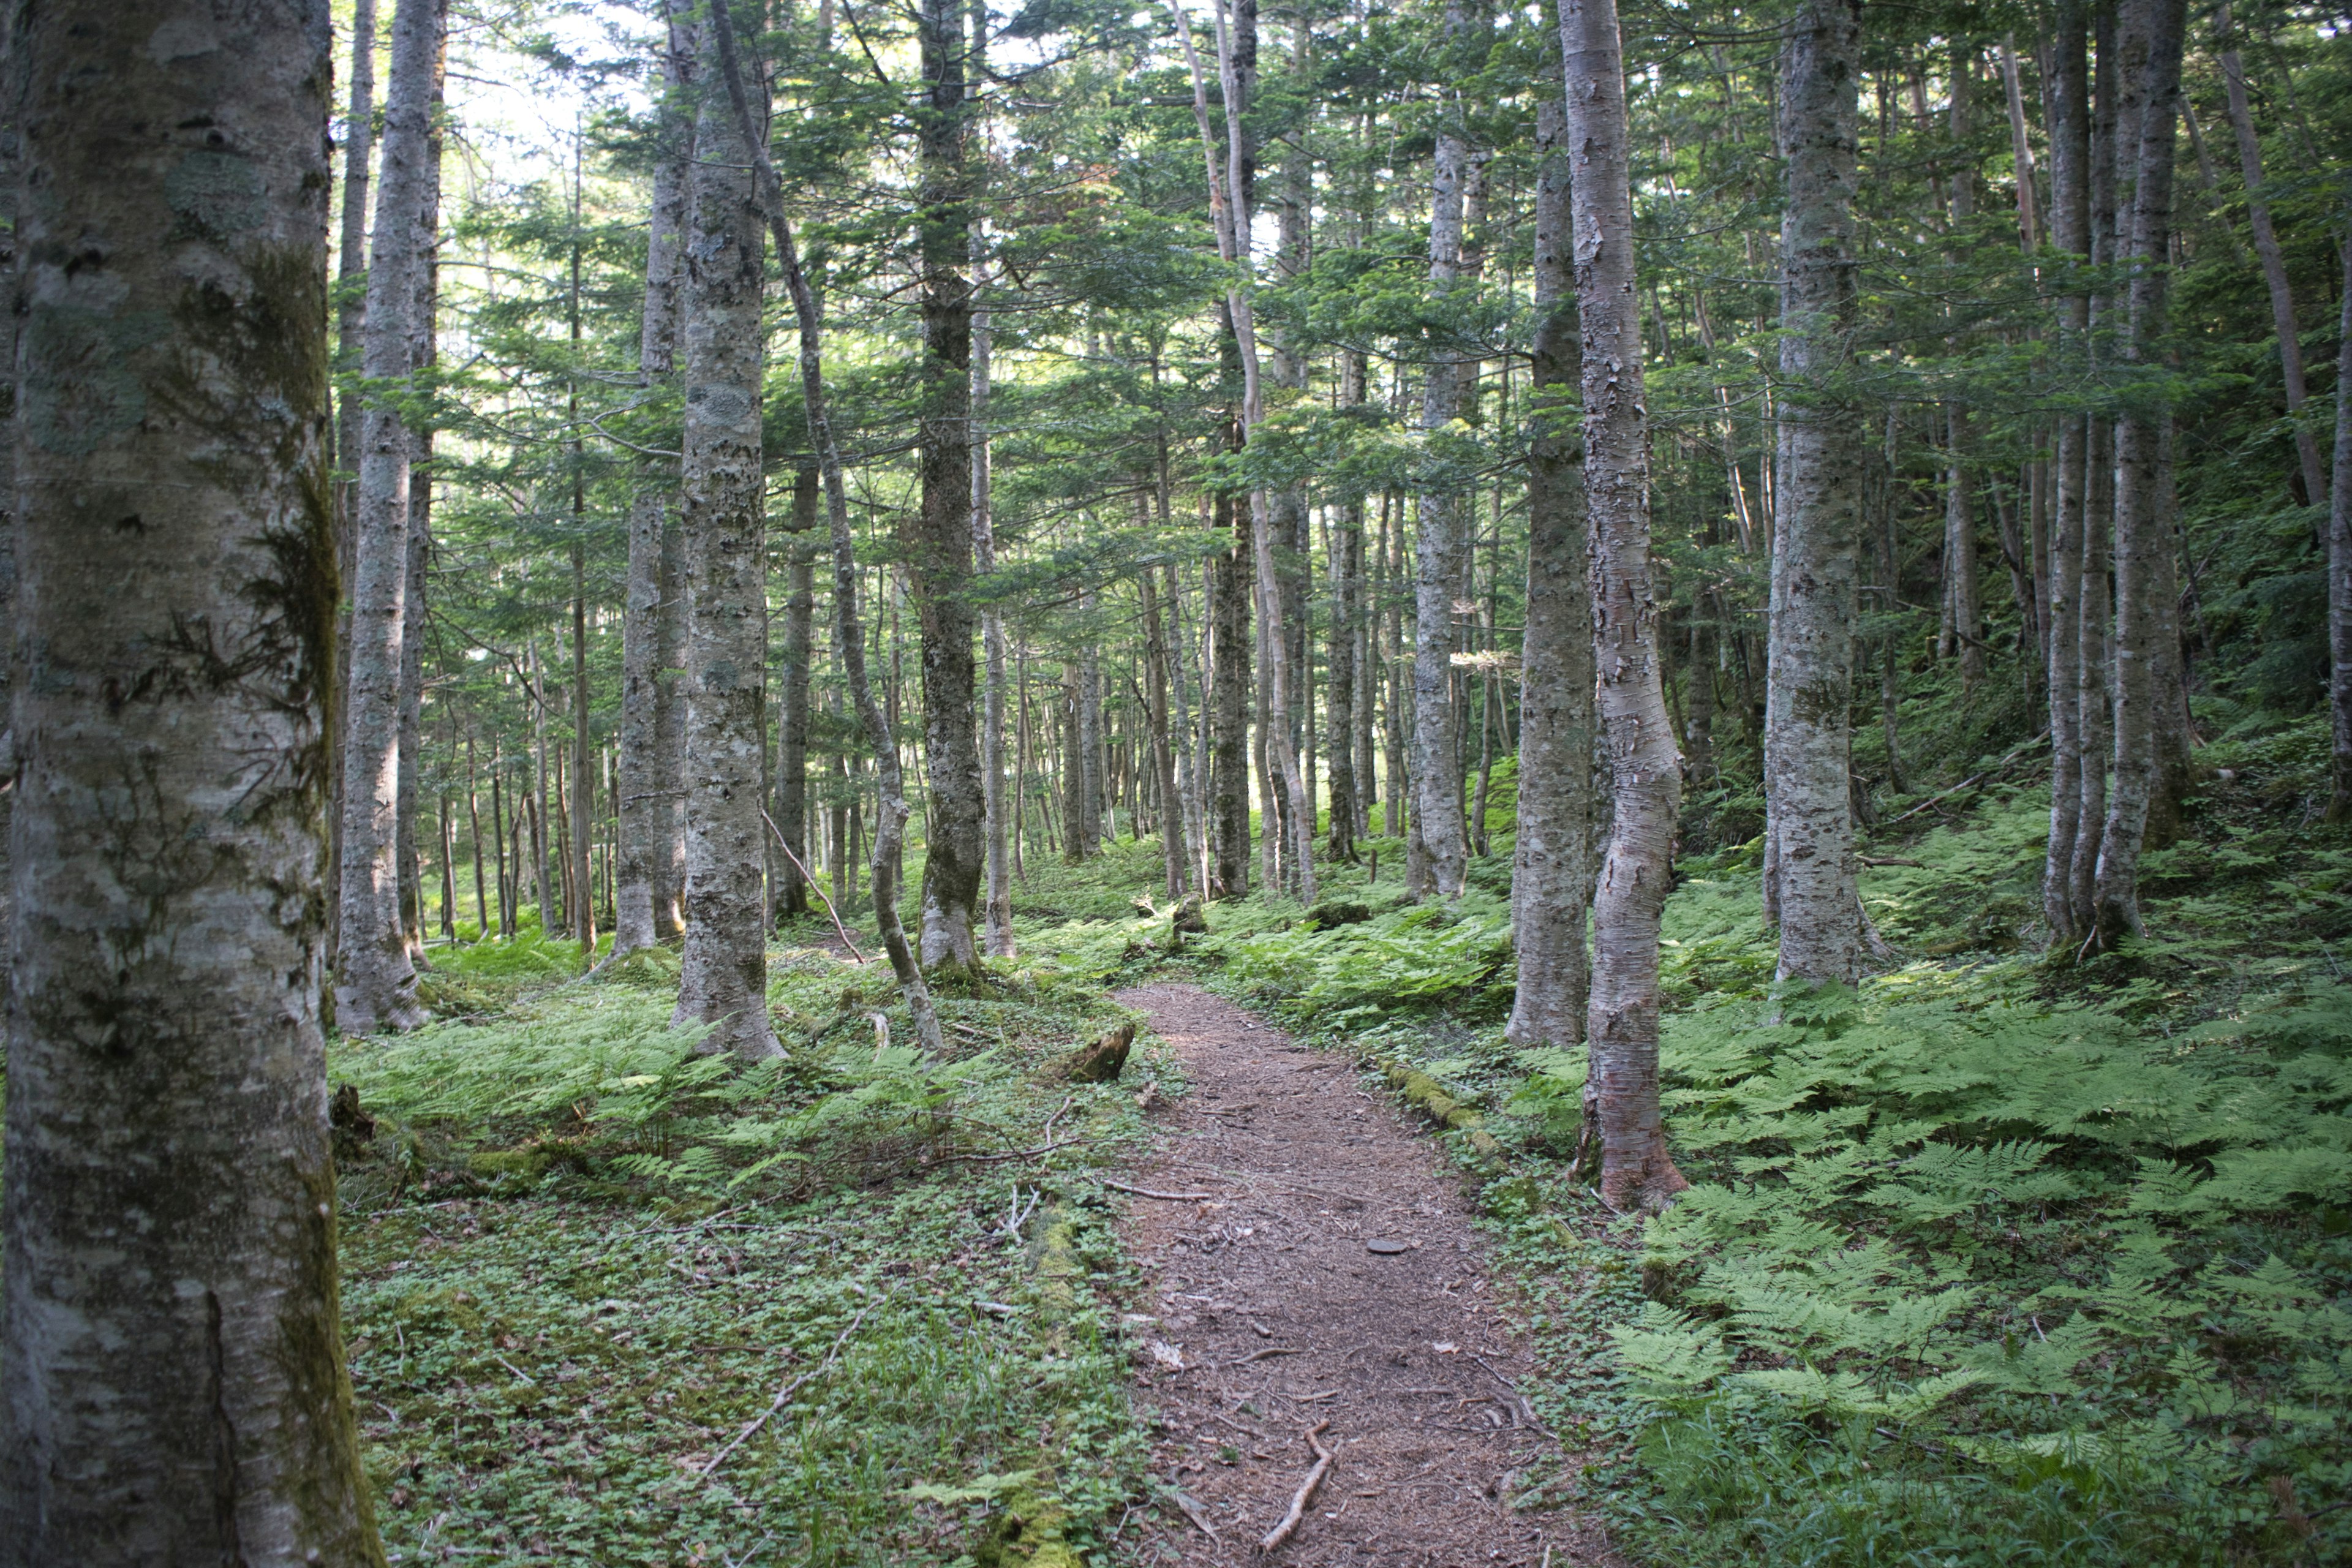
1335	1277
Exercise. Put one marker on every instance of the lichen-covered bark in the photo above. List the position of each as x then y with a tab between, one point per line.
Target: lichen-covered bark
375	982
2070	222
1818	507
2339	574
2140	484
723	978
172	1379
1437	863
647	810
790	897
938	532
1621	1089
1551	871
1228	717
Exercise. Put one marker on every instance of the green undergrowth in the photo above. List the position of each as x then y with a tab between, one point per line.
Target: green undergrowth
2005	1258
580	1260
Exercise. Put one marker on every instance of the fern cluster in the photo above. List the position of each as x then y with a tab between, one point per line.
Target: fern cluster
1959	1242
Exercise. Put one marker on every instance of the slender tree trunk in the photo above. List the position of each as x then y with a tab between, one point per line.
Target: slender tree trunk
2274	260
1622	1110
2140	482
543	861
375	983
723	981
848	639
939	533
173	1386
1163	748
1818	510
670	735
583	779
1345	561
2339	565
1551	869
1398	705
1436	865
2094	707
474	840
423	354
648	810
792	709
999	908
2070	222
350	317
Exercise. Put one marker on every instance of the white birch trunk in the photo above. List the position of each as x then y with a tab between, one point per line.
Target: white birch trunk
171	1378
375	983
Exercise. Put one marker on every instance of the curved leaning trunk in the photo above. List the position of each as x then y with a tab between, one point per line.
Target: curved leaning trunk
1818	506
1551	872
1620	1093
172	1385
723	978
375	982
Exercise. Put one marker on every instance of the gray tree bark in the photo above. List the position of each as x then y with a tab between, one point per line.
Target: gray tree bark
648	811
2140	481
998	922
172	1379
2094	707
2070	222
423	354
350	316
1552	868
669	737
790	892
939	533
2339	569
2274	260
1817	497
890	826
1623	1117
723	981
375	983
1436	864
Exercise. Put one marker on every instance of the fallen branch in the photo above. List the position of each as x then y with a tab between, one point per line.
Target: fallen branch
1015	1155
1886	861
1261	1355
814	885
1303	1496
789	1389
1149	1192
1993	772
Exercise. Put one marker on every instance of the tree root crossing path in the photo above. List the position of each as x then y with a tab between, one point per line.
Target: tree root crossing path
1315	1287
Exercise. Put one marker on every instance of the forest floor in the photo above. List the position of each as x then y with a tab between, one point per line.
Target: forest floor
1326	1285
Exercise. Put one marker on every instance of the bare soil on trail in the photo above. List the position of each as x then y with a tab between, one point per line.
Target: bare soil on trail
1333	1275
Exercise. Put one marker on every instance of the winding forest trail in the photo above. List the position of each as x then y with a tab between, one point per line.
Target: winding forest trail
1335	1276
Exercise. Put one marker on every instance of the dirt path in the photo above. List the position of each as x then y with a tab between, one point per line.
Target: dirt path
1334	1277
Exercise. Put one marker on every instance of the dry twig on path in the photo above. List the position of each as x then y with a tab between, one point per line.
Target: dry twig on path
1304	1495
1149	1193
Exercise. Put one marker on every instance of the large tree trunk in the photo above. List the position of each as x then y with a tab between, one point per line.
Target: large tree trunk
789	896
172	1379
2274	260
2070	222
647	808
1345	562
1163	748
1551	869
1817	497
723	982
2140	535
375	983
669	736
1620	1093
2340	567
938	535
848	639
1436	864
